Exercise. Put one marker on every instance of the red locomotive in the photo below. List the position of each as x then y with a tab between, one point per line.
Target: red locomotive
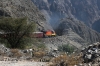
43	34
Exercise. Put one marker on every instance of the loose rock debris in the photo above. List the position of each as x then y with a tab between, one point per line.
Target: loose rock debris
91	54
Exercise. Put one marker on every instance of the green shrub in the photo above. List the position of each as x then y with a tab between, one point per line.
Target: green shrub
66	48
16	31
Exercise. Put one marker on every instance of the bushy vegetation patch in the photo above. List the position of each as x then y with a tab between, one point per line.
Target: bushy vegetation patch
66	48
15	32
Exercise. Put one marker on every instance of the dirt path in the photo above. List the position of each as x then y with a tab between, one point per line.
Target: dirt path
22	63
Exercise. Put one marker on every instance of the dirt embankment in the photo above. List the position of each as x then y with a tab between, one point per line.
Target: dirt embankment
22	63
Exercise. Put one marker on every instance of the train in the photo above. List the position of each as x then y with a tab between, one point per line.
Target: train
43	34
49	33
38	34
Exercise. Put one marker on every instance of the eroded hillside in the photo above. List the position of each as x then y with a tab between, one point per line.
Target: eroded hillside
87	11
68	25
20	8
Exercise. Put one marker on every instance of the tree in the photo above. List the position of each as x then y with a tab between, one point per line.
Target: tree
16	31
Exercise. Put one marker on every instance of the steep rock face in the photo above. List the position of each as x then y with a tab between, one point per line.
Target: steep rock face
69	25
87	11
96	25
23	8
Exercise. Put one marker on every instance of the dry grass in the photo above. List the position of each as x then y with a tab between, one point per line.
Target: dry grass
39	54
60	58
2	53
65	60
16	53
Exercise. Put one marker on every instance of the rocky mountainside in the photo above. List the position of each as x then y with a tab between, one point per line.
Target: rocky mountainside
87	11
73	32
23	8
26	8
74	29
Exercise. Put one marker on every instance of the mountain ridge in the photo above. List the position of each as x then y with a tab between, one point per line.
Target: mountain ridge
87	11
20	8
68	25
